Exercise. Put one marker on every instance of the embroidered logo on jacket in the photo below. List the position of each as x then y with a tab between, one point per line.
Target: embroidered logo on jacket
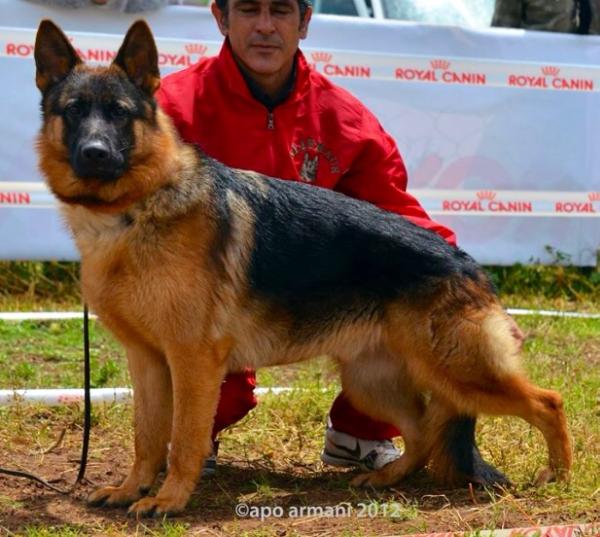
308	172
314	160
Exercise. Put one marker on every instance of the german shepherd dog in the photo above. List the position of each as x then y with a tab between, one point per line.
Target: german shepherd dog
199	270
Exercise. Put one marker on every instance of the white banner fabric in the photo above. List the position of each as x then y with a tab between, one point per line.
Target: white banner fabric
498	127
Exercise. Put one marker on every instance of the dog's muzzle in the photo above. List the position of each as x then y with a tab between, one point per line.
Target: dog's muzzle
94	159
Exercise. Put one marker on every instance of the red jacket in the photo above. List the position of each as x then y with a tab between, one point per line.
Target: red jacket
320	134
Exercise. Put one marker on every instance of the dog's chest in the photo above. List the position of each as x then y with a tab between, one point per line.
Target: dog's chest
96	234
135	308
110	280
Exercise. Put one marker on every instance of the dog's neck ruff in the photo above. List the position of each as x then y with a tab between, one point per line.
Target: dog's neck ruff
177	195
98	219
96	203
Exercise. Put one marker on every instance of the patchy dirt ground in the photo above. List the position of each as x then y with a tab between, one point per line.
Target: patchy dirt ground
418	506
269	464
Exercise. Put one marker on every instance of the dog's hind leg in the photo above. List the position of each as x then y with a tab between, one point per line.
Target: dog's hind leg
478	371
152	406
455	457
378	385
547	414
542	409
496	385
514	395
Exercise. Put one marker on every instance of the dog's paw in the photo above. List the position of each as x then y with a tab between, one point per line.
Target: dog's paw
548	475
156	507
486	475
113	497
545	475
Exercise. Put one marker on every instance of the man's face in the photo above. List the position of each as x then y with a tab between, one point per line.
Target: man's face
264	34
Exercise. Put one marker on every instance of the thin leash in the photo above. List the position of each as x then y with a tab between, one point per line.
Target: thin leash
87	419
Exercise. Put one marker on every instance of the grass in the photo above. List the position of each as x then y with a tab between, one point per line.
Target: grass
275	448
271	459
166	529
38	354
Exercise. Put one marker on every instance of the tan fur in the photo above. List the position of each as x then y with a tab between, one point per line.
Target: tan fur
146	243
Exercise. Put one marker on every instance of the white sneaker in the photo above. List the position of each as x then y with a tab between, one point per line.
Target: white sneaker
342	449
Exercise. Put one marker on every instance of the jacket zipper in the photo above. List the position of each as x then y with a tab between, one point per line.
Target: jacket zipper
270	121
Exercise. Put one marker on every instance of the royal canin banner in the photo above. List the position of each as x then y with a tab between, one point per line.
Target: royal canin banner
572	530
498	128
482	203
96	48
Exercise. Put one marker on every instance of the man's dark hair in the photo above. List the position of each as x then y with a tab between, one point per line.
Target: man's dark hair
302	4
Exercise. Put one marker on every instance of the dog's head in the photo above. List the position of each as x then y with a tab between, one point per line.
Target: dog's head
101	133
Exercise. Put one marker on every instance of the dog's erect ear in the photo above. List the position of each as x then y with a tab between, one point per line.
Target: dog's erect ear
54	55
138	57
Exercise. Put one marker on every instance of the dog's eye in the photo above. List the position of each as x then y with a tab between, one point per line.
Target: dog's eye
73	111
118	112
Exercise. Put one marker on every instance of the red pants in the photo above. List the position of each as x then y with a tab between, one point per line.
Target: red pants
237	399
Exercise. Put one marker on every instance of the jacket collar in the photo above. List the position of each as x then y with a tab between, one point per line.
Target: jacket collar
231	75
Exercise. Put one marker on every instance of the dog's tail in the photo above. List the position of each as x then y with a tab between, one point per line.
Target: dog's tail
456	459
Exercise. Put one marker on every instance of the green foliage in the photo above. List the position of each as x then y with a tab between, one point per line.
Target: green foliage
109	371
24	371
560	279
40	279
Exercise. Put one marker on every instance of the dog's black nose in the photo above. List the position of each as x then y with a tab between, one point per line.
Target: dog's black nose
95	152
94	159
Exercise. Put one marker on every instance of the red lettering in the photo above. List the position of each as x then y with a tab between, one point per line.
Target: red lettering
163	59
174	59
93	55
183	60
573	207
461	205
511	206
522	81
354	71
573	84
15	198
19	49
416	74
464	78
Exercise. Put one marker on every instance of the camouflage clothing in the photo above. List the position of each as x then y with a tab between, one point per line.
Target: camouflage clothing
594	15
548	15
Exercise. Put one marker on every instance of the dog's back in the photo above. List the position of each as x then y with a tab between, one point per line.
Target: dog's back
311	242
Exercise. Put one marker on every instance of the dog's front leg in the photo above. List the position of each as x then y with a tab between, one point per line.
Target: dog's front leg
153	411
197	372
